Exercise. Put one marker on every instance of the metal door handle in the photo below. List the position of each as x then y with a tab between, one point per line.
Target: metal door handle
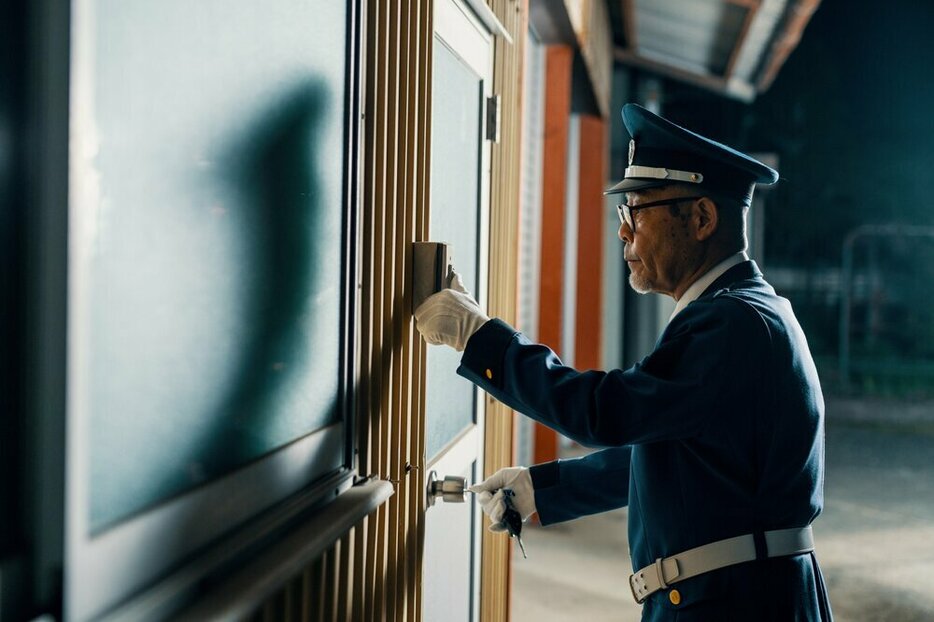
452	489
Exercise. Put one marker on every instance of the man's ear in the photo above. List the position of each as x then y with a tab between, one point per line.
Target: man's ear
705	215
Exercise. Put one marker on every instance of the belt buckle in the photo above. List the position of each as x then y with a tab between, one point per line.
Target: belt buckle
632	588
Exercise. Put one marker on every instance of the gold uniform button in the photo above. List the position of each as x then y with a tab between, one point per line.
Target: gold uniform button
489	374
675	597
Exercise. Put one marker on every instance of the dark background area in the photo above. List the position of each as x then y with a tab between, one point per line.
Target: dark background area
850	119
12	44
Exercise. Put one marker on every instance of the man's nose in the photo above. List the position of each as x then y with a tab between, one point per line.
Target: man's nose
625	233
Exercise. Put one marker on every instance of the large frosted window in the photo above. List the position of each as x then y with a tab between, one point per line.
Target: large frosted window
206	248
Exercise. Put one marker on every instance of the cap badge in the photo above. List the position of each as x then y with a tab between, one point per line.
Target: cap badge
632	151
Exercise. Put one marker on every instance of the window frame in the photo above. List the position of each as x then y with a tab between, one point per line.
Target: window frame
161	555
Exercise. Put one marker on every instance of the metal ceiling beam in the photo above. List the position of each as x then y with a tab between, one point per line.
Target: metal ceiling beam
752	6
629	23
770	31
549	19
725	85
737	89
797	17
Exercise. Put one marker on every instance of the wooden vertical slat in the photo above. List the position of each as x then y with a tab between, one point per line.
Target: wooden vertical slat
504	223
358	575
315	593
306	595
426	37
344	578
381	164
332	572
390	276
400	405
289	598
399	159
408	170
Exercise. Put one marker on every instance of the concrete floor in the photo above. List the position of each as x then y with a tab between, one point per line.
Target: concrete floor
875	540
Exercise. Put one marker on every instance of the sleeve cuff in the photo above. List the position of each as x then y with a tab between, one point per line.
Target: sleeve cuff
482	362
544	475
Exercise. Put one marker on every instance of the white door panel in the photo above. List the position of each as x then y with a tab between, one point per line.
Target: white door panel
462	70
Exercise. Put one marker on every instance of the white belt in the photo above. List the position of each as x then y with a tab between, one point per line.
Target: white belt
716	555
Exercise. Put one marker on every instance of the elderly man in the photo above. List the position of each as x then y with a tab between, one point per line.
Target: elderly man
714	440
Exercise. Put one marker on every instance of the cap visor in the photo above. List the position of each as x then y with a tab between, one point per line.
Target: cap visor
633	184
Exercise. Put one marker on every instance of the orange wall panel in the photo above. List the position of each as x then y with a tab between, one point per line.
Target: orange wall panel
589	303
558	67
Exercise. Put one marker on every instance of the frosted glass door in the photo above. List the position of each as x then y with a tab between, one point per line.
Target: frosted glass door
455	218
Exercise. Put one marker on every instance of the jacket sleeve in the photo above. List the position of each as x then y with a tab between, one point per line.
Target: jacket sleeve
669	395
568	489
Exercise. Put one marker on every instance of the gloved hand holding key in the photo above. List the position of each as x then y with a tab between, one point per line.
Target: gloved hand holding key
508	498
491	497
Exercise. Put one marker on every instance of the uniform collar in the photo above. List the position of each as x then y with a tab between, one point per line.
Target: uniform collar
699	286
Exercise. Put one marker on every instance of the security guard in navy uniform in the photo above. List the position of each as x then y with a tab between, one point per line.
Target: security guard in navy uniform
715	440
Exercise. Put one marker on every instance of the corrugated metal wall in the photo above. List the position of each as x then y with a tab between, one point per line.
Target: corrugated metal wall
374	572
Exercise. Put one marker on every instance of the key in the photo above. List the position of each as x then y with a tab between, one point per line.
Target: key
513	520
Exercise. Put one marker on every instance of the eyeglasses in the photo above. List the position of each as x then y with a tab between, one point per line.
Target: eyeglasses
626	211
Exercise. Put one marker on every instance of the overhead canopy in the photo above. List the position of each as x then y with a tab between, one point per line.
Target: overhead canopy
735	47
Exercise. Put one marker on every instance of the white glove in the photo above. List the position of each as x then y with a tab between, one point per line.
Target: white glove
490	495
450	317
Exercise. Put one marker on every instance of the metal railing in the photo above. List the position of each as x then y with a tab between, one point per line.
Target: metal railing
846	279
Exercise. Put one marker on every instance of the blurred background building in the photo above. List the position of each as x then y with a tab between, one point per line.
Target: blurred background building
214	403
845	235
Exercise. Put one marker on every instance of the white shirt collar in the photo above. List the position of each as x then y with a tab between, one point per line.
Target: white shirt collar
697	287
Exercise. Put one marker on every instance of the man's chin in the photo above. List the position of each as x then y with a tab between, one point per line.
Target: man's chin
639	284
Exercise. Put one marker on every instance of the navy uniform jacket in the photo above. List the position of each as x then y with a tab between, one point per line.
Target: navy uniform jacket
717	433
